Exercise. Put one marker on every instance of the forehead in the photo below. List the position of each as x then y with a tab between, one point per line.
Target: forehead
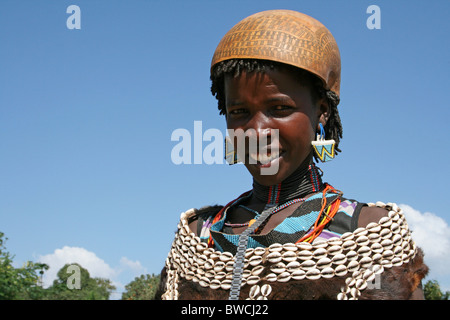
273	81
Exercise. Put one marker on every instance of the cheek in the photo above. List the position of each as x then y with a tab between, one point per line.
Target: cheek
298	134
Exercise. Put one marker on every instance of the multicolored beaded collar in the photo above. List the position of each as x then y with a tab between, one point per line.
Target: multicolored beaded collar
292	190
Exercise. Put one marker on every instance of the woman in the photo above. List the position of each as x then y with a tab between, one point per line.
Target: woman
276	76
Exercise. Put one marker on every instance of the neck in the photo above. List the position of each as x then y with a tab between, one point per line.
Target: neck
299	184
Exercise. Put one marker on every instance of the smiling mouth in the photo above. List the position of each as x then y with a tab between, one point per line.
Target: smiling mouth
265	158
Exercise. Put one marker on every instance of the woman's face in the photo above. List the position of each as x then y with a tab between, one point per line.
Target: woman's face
256	102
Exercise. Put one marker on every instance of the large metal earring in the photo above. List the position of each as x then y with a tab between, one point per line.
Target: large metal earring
324	148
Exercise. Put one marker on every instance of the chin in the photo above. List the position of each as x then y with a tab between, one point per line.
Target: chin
267	179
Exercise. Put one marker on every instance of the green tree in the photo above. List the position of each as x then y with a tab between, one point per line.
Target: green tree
75	283
142	288
19	283
432	291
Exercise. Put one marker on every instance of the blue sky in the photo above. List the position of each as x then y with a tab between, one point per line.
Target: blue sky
86	118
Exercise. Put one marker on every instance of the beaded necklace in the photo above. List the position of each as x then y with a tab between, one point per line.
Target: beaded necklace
290	191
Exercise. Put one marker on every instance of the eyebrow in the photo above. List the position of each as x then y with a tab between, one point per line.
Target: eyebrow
234	103
279	99
237	103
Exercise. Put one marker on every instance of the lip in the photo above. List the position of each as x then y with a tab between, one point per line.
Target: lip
266	159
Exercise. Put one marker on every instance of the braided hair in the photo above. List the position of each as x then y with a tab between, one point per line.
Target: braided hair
234	67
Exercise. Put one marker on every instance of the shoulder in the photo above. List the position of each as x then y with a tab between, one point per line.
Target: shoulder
371	214
201	215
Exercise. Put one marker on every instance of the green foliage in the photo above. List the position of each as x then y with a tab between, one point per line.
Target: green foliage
142	288
432	291
25	283
18	283
65	286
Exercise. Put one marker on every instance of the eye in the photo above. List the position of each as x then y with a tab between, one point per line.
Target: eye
282	110
237	112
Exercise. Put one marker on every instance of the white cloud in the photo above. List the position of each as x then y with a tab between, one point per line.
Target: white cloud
87	259
135	266
432	234
123	273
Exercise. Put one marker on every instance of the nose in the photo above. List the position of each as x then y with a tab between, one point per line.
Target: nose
258	127
260	133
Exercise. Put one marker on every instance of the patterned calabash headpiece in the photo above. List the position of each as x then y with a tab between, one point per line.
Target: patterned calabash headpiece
288	37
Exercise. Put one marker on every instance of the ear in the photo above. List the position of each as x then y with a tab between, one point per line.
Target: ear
323	112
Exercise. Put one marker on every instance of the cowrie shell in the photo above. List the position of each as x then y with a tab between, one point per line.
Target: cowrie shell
219	266
388	254
351	255
369	275
387	244
220	275
360	284
201	260
289	256
352	266
275	247
214	284
376	257
396	261
347	236
290	247
304	255
376	247
365	262
308	264
248	252
204	282
278	267
226	284
374	237
202	246
274	257
334	242
229	266
349	245
252	280
266	290
313	274
339	259
320	243
259	251
226	256
362	241
298	274
271	277
292	266
255	260
254	292
364	251
284	277
304	246
397	239
340	270
342	296
323	263
395	227
327	272
373	227
333	250
380	204
319	253
385	222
